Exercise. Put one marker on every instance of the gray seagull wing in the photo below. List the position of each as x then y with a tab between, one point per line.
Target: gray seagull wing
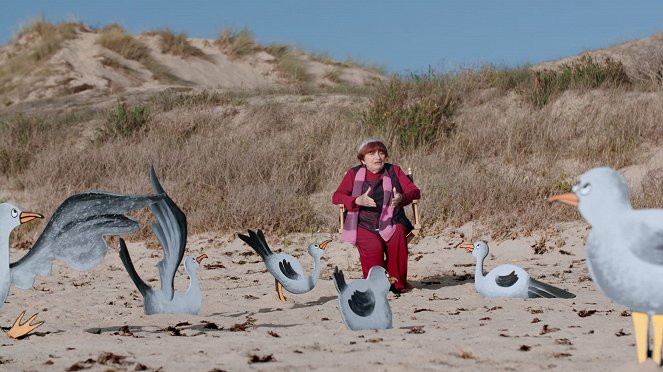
362	303
287	270
75	233
171	230
506	280
646	228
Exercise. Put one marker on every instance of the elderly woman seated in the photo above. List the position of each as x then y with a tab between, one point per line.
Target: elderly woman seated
374	194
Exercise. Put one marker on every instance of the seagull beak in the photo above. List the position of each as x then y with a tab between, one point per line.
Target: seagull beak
468	247
392	280
201	257
29	216
323	245
566	198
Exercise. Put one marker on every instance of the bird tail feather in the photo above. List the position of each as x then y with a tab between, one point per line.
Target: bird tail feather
339	279
128	264
540	289
258	243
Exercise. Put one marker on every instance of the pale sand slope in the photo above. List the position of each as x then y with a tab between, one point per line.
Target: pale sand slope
441	325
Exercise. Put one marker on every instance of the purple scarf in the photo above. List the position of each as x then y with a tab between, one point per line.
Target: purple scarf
386	228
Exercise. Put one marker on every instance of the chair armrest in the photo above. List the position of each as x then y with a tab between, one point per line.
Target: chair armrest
341	209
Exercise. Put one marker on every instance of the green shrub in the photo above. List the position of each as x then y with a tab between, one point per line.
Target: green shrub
123	122
583	73
413	112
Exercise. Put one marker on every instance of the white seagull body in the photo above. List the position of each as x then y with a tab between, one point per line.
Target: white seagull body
624	250
171	230
508	280
363	303
287	270
75	234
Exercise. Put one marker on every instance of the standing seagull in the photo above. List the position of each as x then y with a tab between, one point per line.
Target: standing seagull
287	270
171	230
74	234
363	303
624	251
509	280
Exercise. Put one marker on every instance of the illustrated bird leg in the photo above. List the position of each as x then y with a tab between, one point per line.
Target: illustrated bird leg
279	291
657	320
19	330
640	328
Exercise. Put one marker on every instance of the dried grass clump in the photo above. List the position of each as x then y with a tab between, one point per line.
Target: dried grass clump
413	112
167	100
177	44
237	43
115	38
584	73
123	122
293	67
39	41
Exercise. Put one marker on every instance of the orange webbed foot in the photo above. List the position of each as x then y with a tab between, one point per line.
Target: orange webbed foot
19	329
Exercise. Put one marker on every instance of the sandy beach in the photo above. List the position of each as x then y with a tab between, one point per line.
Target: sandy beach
95	320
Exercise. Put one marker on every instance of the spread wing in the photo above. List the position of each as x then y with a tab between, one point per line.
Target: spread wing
362	303
171	231
75	233
506	280
287	270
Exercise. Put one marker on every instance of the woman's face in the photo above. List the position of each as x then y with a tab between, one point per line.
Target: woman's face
374	161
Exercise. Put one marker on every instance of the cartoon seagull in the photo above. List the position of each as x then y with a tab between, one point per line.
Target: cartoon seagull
74	234
171	230
287	270
508	280
624	251
363	303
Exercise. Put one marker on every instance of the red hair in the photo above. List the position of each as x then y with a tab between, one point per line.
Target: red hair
370	147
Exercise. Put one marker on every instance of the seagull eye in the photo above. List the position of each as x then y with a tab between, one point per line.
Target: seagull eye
585	189
14	213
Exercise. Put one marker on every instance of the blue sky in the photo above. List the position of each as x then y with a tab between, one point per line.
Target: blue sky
402	36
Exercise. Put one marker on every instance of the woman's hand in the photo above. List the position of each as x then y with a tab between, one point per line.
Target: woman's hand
396	199
364	200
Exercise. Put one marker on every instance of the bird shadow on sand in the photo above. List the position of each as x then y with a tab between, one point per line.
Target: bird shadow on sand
236	315
320	301
437	281
35	333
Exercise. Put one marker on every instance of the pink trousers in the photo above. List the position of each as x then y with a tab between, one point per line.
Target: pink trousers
372	250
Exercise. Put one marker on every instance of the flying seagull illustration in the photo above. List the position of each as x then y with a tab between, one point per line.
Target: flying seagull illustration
74	234
508	280
624	251
363	303
287	270
171	231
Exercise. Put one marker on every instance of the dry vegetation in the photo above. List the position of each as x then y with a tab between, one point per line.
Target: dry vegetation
115	38
177	44
34	44
486	145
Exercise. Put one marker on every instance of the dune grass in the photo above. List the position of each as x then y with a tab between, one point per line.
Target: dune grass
115	38
488	145
41	41
237	43
177	44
